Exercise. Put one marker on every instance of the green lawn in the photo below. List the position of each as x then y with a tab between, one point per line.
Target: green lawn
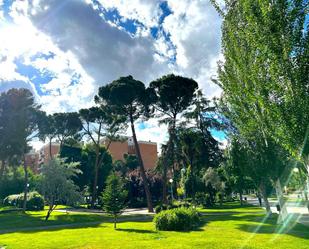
226	228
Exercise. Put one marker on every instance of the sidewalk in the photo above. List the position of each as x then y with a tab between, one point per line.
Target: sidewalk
128	211
299	213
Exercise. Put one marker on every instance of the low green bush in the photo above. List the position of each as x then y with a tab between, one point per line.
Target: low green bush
176	204
35	201
178	219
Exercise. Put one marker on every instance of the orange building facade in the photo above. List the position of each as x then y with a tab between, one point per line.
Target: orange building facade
32	161
149	151
117	149
45	152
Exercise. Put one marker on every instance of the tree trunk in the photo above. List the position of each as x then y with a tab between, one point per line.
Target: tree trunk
26	185
164	182
96	172
48	214
240	197
142	169
115	222
50	209
192	181
306	189
169	154
50	149
2	169
283	211
265	199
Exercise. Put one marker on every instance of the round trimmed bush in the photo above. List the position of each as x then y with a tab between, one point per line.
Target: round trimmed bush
178	219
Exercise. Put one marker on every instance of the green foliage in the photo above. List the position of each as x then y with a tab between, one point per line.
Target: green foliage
18	121
265	73
35	201
114	196
129	163
129	99
126	97
86	156
57	185
173	93
204	199
13	181
179	219
176	204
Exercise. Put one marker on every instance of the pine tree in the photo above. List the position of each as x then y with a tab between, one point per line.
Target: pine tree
114	197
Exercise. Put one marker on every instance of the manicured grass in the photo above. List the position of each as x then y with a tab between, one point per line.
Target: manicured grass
232	227
231	207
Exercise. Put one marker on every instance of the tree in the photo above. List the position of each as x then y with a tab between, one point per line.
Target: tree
211	177
67	125
99	123
57	185
123	167
234	168
85	156
47	129
19	110
58	125
128	98
265	73
5	133
114	197
173	95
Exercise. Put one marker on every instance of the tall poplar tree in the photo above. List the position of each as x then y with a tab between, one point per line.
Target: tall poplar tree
265	73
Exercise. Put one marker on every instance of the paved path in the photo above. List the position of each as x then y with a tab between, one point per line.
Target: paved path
128	211
300	212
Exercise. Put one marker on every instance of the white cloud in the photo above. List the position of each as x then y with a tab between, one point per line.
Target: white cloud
98	52
21	41
145	11
151	131
194	28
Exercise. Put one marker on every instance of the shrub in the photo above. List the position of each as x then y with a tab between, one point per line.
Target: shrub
203	199
34	201
179	219
176	204
160	208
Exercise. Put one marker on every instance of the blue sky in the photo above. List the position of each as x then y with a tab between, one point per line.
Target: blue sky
64	50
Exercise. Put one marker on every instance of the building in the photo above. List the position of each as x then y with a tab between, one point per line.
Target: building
44	153
117	149
148	151
32	160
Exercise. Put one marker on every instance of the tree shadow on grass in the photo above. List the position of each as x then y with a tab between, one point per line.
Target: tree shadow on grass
262	224
34	222
18	222
268	225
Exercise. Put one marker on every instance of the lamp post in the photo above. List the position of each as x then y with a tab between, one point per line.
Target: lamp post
171	182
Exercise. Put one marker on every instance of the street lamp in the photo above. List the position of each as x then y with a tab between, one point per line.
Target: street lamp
171	182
